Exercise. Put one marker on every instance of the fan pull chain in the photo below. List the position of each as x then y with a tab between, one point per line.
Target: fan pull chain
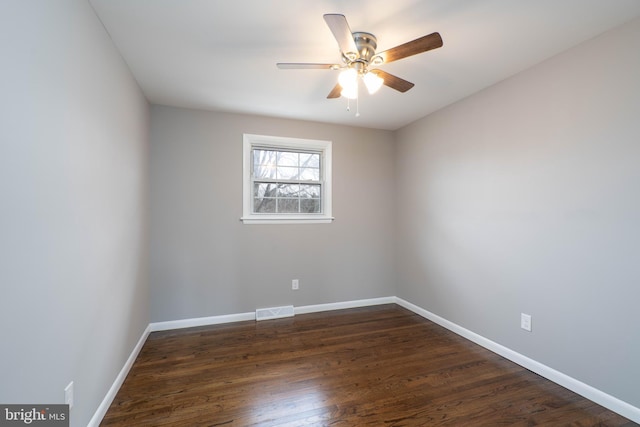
357	105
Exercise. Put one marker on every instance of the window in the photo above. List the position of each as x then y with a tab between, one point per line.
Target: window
286	180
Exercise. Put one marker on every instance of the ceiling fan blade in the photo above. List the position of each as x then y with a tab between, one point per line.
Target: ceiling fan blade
340	28
335	92
422	44
304	66
394	82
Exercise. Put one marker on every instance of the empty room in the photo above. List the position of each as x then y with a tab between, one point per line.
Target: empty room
329	213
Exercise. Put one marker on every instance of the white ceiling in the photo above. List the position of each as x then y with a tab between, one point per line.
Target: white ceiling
220	54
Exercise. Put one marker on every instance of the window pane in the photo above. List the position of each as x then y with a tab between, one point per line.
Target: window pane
264	205
264	163
309	160
310	191
310	205
288	190
264	172
310	174
286	158
264	190
264	157
287	173
288	205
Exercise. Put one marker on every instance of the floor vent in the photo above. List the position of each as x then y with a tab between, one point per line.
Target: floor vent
274	312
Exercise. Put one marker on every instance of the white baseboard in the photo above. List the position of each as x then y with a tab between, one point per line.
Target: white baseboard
201	321
616	405
240	317
111	394
342	305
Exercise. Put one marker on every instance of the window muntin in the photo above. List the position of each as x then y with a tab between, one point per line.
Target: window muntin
286	180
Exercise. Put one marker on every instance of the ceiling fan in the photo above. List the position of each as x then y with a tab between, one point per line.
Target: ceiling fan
359	55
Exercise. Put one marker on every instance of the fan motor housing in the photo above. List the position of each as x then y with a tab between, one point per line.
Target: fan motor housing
366	44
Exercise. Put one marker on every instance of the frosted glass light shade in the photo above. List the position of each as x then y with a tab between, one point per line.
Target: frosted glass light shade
348	80
351	93
373	82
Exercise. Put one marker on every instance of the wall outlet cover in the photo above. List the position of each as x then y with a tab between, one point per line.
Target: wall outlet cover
525	322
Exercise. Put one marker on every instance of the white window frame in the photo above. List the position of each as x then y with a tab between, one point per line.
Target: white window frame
283	143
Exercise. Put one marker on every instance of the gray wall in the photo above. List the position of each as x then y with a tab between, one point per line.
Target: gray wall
526	198
73	206
205	262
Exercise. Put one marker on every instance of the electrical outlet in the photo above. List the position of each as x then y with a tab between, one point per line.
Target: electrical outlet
295	284
68	395
525	322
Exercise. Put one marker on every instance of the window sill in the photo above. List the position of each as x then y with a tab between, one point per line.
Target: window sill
287	220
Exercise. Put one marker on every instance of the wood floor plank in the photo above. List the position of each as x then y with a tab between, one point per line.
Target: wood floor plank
371	366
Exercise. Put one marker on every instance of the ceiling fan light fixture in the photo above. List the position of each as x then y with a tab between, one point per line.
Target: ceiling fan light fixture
373	82
358	51
348	80
350	93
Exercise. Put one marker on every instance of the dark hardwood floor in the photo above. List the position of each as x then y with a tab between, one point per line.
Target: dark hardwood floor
373	366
